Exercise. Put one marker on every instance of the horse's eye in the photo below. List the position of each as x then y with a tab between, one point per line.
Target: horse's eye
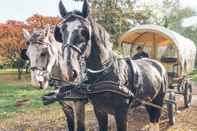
43	54
28	42
64	27
85	33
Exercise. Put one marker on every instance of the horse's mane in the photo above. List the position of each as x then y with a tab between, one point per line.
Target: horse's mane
39	35
100	32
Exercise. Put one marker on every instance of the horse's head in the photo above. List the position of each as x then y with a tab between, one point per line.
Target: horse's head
75	34
39	55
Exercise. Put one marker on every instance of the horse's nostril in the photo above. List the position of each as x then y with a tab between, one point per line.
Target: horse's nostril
74	74
40	85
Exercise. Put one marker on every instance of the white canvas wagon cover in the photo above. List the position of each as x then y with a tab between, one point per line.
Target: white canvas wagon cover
157	36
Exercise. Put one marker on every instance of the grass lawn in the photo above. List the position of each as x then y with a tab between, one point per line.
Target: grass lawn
21	107
194	76
17	96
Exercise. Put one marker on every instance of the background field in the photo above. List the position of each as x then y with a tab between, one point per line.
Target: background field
21	109
17	96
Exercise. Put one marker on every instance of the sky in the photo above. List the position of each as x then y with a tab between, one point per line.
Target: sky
22	9
189	3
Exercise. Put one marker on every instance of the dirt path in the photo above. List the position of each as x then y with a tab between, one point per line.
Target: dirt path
50	119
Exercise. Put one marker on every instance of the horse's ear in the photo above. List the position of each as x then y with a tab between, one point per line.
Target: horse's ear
86	9
26	34
62	9
57	34
24	55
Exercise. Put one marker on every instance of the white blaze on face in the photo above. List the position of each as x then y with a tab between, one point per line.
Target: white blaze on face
33	52
70	54
71	27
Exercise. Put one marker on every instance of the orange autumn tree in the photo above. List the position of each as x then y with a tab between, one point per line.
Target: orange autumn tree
11	38
39	22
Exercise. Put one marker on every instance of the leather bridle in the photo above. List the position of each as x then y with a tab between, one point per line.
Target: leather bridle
43	70
74	47
82	53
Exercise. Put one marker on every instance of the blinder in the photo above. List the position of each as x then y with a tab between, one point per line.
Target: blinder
57	34
23	54
41	69
40	43
57	31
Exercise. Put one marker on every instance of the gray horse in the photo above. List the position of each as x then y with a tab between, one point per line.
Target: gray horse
85	41
44	53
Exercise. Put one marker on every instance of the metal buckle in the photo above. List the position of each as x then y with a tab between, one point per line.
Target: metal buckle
68	93
73	47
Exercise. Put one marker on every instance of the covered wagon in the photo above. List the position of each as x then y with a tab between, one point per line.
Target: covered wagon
176	52
162	44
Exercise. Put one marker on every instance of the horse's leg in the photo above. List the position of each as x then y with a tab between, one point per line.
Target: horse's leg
68	111
121	120
102	118
154	116
79	113
155	113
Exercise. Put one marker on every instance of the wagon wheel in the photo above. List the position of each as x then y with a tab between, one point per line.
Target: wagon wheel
171	108
188	95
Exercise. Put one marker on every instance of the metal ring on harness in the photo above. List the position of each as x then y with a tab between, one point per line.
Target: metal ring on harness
39	42
105	67
101	70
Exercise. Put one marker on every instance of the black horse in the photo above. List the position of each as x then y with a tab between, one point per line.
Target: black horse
86	44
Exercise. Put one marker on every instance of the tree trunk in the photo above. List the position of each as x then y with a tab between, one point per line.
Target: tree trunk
20	65
19	73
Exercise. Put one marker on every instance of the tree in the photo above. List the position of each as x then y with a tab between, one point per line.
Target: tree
117	16
12	41
11	38
39	22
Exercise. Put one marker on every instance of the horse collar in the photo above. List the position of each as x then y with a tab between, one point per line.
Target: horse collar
105	67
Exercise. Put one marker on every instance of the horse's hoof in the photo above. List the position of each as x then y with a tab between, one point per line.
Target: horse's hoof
145	128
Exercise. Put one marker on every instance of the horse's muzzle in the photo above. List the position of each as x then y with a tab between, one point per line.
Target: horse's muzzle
71	75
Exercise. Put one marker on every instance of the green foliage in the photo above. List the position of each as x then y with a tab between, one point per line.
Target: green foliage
193	76
1	66
174	23
17	97
117	16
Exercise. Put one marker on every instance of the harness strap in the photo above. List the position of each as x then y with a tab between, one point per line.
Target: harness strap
105	66
101	70
109	86
137	80
73	47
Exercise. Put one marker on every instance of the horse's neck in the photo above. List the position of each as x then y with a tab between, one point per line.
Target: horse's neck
99	54
98	57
